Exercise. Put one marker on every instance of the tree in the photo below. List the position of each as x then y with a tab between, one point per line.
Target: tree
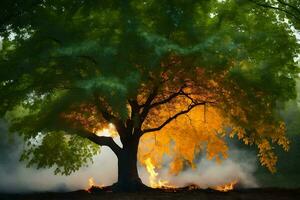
285	9
148	67
16	13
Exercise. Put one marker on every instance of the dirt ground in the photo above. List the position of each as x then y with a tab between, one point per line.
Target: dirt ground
245	194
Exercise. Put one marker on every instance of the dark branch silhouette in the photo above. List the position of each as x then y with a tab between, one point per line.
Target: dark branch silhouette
108	116
147	104
101	140
168	99
289	5
190	107
277	8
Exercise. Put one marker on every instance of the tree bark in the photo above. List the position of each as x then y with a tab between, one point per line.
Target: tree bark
128	178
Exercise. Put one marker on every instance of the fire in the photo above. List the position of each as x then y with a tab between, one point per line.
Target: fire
154	181
226	187
92	184
109	131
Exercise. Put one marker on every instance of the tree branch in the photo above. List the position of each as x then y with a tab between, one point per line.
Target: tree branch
135	107
148	102
190	107
275	8
100	140
289	5
110	117
134	116
148	106
168	99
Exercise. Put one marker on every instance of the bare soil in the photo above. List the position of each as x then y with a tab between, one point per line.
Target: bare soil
180	194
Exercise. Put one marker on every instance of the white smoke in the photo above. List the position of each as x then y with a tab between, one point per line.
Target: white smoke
22	179
240	167
104	171
15	177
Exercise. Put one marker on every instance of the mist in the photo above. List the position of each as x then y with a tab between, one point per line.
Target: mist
242	165
16	178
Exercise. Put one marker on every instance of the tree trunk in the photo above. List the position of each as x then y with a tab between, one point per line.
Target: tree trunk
128	178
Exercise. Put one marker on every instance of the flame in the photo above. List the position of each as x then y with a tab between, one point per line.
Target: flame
109	131
226	187
92	184
154	181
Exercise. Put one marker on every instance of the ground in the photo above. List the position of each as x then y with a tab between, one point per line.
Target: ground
242	194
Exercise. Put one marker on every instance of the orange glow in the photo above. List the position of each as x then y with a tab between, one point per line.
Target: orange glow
201	130
110	130
92	184
226	187
154	181
183	139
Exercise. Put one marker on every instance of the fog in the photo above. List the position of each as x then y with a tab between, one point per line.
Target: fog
242	165
15	177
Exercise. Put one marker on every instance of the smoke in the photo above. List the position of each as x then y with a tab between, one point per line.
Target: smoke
210	173
240	167
15	177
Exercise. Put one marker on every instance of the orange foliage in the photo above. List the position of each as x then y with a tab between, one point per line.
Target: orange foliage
85	116
202	130
186	137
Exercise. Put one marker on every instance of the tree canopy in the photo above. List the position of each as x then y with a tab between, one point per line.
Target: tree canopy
190	72
285	9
